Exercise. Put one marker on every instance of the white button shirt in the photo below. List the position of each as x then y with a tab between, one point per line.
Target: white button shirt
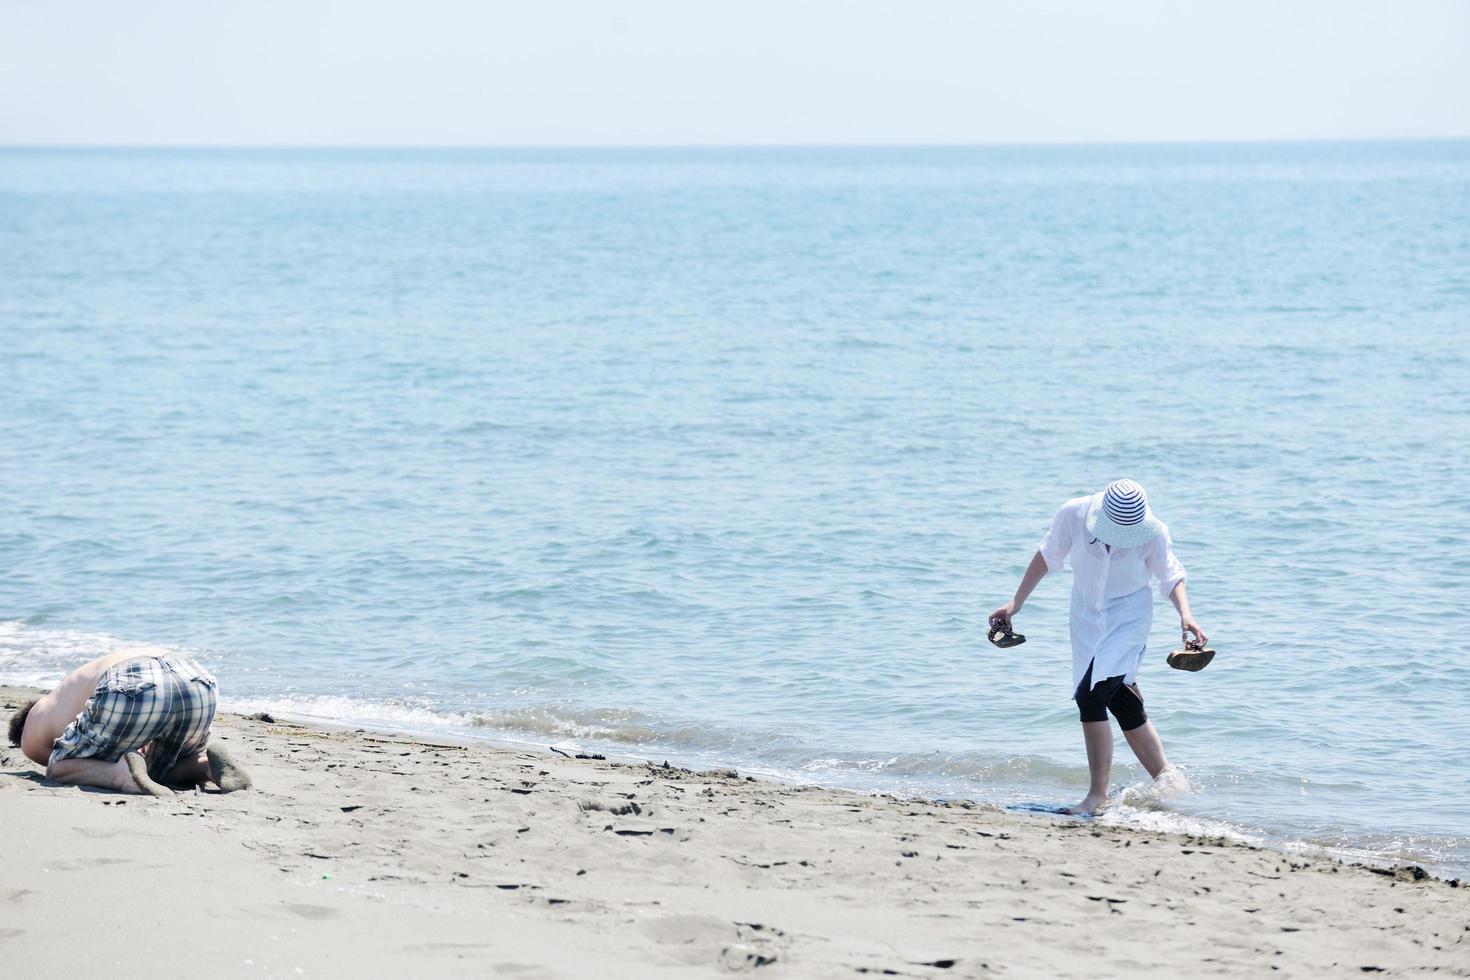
1112	608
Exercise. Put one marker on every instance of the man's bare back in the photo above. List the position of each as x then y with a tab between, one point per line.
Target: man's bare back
53	712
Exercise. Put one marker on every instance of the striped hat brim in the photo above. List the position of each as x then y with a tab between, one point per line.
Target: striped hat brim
1108	531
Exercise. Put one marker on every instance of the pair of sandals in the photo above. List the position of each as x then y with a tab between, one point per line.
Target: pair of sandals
1195	655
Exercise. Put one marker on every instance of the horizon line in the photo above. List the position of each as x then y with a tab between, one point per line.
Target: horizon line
937	145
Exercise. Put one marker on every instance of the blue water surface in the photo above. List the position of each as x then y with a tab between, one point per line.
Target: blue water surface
725	455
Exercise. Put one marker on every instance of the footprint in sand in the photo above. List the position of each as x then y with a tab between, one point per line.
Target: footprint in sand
314	912
703	939
96	833
86	864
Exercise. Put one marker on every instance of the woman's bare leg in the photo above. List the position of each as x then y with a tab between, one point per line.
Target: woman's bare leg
1099	738
1148	747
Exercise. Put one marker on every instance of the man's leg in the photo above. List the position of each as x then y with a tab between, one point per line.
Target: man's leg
1146	744
192	769
127	775
1099	738
198	698
214	765
225	771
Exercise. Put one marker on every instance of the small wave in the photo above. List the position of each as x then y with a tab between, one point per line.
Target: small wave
608	725
959	773
605	727
1157	793
349	711
1151	805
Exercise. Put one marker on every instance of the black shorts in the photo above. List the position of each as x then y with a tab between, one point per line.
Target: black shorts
1125	701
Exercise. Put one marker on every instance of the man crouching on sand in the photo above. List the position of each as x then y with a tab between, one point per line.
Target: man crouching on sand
136	721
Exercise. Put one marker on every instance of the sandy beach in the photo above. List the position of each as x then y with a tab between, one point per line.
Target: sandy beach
367	854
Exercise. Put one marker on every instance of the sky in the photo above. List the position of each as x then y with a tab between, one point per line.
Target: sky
699	72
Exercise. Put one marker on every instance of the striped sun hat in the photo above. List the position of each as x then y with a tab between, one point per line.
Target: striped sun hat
1123	519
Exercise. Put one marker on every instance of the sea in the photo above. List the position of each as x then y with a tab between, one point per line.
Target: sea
724	456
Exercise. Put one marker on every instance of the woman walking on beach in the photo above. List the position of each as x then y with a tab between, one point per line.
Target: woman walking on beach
1117	546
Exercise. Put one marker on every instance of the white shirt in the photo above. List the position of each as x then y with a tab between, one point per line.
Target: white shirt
1112	608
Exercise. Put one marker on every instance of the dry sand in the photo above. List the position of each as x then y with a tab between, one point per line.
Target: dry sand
366	855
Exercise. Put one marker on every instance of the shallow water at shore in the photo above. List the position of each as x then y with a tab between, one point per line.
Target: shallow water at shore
725	456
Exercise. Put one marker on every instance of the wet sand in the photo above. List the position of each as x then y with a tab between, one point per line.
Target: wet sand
363	854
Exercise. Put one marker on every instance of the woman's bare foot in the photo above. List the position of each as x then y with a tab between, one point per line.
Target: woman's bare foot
1091	805
224	771
139	781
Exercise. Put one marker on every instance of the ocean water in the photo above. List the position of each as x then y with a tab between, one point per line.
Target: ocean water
724	456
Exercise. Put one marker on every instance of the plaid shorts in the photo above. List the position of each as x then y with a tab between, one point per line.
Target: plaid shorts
169	701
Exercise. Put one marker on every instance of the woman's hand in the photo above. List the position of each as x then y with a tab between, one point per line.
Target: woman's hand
1002	616
1187	625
